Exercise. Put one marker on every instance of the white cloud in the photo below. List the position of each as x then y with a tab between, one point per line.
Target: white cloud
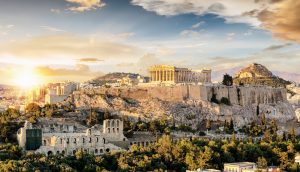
197	25
85	5
56	11
52	29
233	11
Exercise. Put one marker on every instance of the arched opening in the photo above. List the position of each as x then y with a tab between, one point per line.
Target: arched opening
45	142
75	140
61	141
96	151
117	123
107	150
90	140
63	152
108	130
74	152
113	130
97	139
83	140
57	152
117	130
49	153
124	139
113	123
101	150
104	140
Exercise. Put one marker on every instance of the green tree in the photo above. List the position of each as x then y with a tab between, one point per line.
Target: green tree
262	162
227	80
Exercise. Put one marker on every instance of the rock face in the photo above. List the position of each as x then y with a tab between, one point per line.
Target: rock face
188	104
257	74
237	95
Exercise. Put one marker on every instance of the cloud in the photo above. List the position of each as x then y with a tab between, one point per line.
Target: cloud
190	33
56	11
85	5
281	17
197	25
58	48
90	60
233	11
6	29
79	70
283	20
52	29
276	47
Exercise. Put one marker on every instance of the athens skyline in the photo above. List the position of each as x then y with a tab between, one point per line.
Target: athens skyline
55	40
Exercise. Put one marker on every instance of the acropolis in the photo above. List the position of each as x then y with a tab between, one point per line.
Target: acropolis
170	74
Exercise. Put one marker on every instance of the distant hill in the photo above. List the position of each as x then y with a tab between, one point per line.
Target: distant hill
113	77
257	74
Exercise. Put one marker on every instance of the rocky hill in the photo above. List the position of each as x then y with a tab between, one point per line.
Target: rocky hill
185	107
257	74
113	77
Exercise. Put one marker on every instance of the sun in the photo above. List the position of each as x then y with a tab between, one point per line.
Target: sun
26	78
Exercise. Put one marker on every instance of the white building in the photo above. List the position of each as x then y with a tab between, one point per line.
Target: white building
60	91
60	136
240	167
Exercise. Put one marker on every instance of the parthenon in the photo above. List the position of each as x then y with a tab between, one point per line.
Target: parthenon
172	74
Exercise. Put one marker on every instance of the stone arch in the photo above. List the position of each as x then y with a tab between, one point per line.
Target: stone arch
44	142
74	152
108	130
118	130
113	129
90	140
113	123
118	123
57	152
96	151
49	153
83	140
104	140
101	150
63	152
124	139
107	150
97	139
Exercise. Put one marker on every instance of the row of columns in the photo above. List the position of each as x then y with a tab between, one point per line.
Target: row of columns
170	75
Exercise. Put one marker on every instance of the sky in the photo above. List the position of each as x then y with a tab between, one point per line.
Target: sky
81	39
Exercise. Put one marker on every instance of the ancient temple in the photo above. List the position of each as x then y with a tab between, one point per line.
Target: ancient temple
172	74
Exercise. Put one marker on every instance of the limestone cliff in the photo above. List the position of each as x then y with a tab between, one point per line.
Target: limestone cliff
257	74
187	104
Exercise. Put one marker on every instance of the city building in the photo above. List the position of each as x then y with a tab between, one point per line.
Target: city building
62	136
240	167
58	92
170	75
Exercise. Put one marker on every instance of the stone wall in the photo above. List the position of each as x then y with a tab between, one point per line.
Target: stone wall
237	95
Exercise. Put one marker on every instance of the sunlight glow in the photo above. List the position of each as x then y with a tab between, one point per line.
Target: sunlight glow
27	78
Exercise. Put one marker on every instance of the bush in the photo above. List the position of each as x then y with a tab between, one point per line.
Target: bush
214	99
202	133
225	101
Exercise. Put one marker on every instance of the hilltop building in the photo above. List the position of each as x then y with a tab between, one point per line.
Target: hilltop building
60	136
171	75
59	91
